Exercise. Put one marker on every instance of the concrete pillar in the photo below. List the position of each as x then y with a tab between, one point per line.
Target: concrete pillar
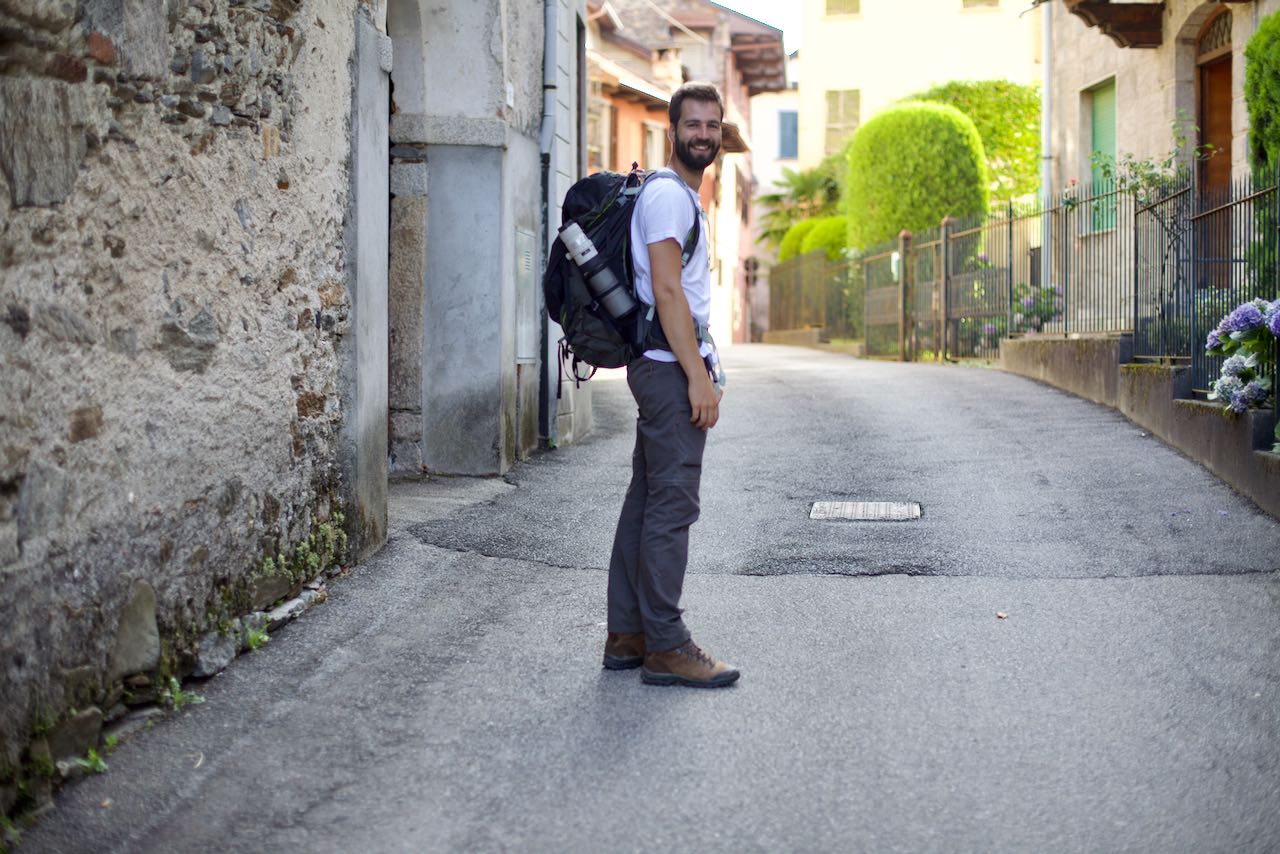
363	455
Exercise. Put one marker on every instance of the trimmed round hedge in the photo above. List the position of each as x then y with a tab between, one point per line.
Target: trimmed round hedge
794	238
1262	92
909	167
830	234
1007	116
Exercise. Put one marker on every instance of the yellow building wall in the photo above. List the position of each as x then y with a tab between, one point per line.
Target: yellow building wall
893	48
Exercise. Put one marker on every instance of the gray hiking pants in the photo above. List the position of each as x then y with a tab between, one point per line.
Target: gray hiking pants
651	546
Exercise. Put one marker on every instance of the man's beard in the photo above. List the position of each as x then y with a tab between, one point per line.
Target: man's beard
695	160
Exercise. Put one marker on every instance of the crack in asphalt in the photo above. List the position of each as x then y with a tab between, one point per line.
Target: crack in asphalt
899	570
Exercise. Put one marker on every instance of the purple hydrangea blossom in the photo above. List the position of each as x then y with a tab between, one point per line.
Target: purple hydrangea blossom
1234	366
1028	302
1247	396
989	329
1272	317
1227	388
1213	341
1244	318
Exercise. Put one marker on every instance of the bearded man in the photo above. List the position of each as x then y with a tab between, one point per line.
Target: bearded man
677	385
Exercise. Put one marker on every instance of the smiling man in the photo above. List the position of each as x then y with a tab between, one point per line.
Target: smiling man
677	386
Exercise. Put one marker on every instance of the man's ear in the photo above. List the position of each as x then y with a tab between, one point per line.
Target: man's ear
671	135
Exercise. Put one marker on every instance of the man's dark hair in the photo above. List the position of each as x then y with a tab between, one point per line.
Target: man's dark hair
696	91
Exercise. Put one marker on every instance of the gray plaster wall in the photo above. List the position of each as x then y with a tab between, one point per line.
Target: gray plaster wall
466	181
175	304
463	347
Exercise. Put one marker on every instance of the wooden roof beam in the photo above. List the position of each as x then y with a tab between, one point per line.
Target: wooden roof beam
1127	24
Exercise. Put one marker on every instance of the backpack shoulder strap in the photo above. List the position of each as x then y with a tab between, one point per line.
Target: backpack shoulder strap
690	239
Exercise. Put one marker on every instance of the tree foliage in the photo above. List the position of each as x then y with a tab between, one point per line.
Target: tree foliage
909	167
794	239
1007	116
830	234
1262	92
801	195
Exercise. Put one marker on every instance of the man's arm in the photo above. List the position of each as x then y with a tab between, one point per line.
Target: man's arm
677	326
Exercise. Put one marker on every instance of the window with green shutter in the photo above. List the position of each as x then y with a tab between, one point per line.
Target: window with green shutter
842	117
842	7
1102	115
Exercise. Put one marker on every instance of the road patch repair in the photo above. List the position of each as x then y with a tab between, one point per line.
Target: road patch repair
865	511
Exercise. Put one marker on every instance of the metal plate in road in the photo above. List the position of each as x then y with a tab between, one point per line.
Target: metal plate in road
865	511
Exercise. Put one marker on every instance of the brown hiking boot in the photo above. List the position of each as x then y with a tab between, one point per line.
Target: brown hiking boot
623	650
687	665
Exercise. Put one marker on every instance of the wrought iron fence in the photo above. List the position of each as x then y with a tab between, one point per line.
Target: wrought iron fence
814	291
1161	263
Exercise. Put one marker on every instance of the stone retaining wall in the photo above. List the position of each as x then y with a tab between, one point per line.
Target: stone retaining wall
173	295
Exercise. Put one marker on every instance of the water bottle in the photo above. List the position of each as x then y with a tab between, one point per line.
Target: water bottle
615	296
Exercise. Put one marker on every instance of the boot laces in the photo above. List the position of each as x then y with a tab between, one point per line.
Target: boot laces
693	651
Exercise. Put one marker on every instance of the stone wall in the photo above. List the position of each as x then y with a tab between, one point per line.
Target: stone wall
173	188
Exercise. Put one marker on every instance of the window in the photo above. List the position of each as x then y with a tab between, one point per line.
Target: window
842	7
788	134
654	146
1102	130
842	117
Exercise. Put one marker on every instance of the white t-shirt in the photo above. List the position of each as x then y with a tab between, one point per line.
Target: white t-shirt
664	212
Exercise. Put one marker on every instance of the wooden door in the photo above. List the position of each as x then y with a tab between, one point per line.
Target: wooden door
1213	115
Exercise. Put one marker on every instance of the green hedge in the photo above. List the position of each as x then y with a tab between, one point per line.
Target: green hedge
1007	116
830	234
794	239
909	167
1262	92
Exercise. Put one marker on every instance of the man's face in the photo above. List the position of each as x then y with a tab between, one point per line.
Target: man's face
696	137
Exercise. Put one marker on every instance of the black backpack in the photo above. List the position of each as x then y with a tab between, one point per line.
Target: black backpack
602	205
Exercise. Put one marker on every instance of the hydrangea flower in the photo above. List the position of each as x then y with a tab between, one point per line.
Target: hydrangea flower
1226	388
1213	341
1247	396
1028	302
989	329
1243	318
1234	366
1272	318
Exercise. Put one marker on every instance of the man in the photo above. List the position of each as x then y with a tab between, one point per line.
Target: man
678	403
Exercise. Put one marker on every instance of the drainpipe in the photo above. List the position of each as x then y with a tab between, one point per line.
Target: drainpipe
1046	140
546	417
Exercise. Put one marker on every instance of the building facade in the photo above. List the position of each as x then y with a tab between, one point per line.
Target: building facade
1120	85
691	40
863	55
775	122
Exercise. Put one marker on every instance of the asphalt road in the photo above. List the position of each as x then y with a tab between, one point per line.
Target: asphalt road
448	696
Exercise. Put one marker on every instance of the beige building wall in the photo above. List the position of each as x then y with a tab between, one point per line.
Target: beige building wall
1152	85
889	49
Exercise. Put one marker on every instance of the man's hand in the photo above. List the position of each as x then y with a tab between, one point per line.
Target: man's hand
705	403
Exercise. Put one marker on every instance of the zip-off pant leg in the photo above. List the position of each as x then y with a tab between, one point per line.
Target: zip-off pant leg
651	545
